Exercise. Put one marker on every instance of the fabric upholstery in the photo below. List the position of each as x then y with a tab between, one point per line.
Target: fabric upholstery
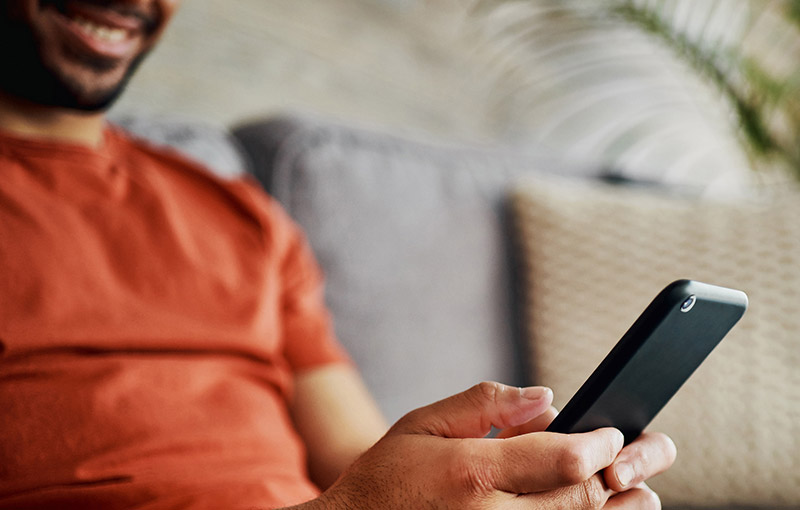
595	256
411	237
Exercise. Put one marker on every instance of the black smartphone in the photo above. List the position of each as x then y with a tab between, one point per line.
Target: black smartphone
665	345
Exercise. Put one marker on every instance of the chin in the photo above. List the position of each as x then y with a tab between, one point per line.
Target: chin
41	85
87	95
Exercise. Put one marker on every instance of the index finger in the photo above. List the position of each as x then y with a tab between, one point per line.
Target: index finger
545	460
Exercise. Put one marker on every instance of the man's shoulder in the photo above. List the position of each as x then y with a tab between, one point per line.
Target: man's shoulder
187	174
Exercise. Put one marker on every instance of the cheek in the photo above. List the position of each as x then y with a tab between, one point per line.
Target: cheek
30	21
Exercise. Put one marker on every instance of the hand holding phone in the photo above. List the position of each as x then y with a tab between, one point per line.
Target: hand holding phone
665	345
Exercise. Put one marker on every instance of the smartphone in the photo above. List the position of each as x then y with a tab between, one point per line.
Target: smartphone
665	345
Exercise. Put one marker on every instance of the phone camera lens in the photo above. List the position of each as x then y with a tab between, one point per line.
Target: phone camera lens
689	303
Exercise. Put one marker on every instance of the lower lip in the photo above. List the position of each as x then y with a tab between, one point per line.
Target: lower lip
98	47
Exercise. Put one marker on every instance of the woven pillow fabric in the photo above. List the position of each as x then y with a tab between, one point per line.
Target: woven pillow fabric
593	256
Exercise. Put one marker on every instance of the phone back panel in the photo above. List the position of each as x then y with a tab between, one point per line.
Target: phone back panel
653	359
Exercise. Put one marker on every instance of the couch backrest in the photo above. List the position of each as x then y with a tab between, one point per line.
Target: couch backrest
412	238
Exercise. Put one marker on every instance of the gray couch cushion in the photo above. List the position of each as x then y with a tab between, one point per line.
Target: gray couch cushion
411	238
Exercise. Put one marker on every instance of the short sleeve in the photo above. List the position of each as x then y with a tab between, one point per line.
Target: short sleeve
308	336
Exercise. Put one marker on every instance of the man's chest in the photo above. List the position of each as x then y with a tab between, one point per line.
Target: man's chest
143	270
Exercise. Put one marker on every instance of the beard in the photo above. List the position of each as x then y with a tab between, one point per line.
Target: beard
26	75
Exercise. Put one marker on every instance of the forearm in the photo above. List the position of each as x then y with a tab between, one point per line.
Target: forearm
337	419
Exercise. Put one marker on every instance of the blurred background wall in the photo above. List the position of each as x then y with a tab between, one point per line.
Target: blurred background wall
393	63
693	91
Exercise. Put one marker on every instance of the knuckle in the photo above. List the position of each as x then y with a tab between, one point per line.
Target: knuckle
487	390
573	464
654	455
642	463
472	472
592	494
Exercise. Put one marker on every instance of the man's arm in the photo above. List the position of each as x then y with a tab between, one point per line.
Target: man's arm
337	419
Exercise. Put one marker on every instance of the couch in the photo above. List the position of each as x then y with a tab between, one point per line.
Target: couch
448	264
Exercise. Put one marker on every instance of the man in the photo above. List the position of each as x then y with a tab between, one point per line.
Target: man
163	343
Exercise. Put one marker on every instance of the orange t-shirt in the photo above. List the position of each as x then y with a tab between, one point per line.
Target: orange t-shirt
151	318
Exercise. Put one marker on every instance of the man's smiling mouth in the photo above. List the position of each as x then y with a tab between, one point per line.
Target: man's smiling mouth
99	17
102	30
108	34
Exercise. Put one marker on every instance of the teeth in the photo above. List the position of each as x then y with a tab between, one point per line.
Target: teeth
107	34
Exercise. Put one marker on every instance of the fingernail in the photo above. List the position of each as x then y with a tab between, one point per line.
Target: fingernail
535	392
624	473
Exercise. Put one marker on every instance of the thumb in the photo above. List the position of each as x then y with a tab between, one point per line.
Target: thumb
474	412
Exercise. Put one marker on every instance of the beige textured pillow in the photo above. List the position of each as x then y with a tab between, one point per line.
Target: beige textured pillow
593	258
